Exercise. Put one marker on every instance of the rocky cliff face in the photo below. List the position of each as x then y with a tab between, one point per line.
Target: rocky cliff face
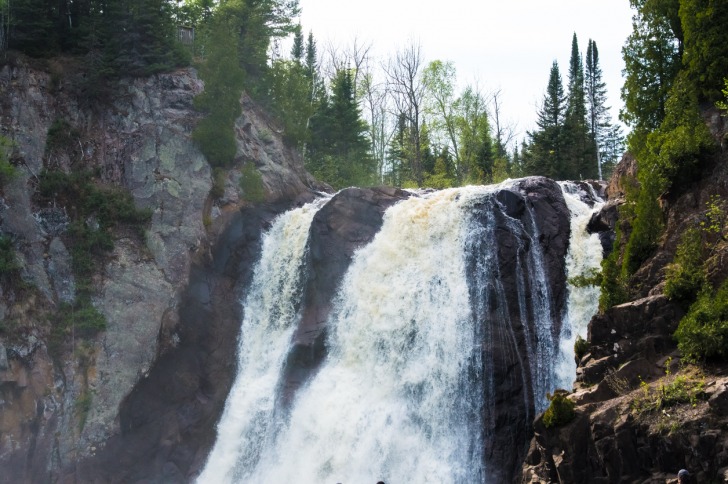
62	406
630	426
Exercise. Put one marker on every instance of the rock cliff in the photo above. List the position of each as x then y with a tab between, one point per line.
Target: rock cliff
167	348
641	413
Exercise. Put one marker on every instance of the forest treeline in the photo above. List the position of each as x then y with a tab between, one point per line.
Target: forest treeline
354	119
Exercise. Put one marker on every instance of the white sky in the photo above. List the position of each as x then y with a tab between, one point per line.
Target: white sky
506	44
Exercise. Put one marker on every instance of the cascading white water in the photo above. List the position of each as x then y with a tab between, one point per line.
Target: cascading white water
403	393
583	259
386	403
270	317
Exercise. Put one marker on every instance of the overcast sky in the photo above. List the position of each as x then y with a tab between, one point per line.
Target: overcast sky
505	44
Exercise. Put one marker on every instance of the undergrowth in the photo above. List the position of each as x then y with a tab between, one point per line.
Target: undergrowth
672	389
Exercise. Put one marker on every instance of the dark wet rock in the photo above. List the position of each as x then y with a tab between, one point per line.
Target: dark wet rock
346	223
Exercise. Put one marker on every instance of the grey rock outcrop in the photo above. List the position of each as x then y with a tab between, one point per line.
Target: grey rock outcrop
138	139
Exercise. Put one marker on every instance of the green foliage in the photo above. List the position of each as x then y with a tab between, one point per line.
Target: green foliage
670	390
81	317
544	153
219	176
7	170
668	159
581	347
705	44
685	276
9	265
339	152
591	278
221	98
124	37
715	217
291	97
251	183
613	288
560	412
95	211
60	135
723	104
578	150
652	57
82	407
703	333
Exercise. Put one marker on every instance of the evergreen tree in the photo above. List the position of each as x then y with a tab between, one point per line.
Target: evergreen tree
705	57
652	59
221	97
596	97
297	50
577	150
428	158
31	28
545	152
339	148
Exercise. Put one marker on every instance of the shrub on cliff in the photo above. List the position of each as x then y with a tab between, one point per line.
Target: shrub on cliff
7	170
703	332
560	411
251	183
685	276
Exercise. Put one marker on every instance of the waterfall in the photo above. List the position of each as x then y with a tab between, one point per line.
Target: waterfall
270	316
583	259
420	325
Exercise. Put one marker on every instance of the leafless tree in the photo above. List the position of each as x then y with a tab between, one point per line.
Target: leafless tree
407	92
505	132
355	57
374	97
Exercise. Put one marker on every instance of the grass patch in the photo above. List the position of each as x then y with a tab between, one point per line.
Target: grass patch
7	169
670	390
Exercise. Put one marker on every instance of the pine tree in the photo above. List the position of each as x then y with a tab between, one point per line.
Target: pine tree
339	148
297	50
577	151
221	97
596	94
705	56
545	152
31	27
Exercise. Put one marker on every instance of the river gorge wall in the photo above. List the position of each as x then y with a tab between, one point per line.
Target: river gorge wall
60	408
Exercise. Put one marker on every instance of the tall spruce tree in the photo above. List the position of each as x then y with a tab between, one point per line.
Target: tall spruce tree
544	154
577	150
596	97
297	50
